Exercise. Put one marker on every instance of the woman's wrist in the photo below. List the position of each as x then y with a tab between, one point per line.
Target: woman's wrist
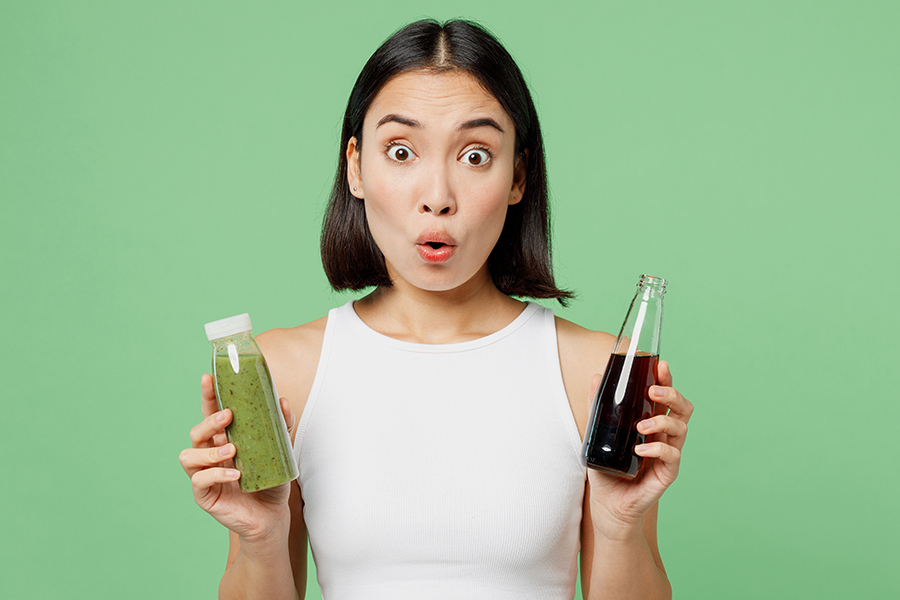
261	569
268	543
265	552
614	527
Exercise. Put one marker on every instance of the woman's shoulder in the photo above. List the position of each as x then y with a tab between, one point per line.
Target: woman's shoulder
582	355
293	340
292	355
577	340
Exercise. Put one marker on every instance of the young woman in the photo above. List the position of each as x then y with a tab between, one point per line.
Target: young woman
437	421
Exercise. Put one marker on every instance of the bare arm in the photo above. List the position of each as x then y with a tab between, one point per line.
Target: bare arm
260	570
267	534
623	562
620	557
260	520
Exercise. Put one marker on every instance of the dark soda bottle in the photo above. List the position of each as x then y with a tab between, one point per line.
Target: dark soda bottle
623	400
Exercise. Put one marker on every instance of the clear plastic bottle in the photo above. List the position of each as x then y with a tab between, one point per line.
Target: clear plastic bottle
243	384
623	400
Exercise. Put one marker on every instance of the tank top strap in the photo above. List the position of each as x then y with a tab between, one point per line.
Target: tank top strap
335	316
551	346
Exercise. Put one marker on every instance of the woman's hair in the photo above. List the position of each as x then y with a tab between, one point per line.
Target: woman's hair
520	263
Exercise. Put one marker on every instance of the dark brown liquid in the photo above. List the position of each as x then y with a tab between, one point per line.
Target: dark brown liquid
612	432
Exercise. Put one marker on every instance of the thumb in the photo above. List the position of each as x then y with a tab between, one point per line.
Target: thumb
289	418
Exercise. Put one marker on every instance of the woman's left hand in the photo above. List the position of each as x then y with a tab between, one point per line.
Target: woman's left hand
617	502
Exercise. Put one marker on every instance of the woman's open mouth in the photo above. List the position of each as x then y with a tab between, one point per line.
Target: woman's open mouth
435	247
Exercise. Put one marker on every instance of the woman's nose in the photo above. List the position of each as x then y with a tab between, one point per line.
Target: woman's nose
438	197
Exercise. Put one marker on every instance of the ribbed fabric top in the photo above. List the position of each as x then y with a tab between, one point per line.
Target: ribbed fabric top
446	471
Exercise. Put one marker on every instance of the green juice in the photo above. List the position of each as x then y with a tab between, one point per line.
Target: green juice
263	449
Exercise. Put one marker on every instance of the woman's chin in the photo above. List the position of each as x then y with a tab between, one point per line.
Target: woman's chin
438	280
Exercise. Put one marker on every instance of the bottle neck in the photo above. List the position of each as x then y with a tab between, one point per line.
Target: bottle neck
641	329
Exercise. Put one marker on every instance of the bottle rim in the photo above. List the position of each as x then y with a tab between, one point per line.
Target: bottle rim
652	281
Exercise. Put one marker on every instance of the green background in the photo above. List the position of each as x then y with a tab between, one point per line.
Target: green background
152	154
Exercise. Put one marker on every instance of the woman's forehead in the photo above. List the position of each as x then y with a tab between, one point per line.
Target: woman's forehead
427	96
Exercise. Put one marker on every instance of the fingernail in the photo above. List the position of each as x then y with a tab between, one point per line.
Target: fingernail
225	450
640	448
221	416
232	473
657	392
645	425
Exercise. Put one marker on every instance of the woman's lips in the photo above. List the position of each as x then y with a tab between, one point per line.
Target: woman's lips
435	247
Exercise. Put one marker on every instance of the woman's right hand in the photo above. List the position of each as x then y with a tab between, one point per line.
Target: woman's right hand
208	462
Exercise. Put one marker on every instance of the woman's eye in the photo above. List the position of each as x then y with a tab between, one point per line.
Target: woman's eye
399	153
476	157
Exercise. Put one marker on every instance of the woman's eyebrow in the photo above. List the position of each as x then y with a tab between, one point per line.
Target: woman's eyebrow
398	119
486	121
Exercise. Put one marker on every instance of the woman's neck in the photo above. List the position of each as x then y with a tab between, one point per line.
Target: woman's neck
407	313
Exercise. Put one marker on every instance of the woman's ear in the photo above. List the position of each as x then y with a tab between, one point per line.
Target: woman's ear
520	169
354	176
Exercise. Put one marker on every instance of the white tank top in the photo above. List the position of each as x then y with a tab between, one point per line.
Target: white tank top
444	471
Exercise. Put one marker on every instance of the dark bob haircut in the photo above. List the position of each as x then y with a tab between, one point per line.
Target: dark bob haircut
520	263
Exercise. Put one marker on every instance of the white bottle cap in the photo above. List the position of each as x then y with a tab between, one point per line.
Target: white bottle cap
230	326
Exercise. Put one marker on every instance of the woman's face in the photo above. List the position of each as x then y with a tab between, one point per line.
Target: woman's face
437	171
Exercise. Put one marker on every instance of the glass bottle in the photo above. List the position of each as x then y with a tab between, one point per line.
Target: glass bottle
623	400
243	384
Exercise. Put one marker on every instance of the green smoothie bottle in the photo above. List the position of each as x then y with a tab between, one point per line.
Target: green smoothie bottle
243	384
